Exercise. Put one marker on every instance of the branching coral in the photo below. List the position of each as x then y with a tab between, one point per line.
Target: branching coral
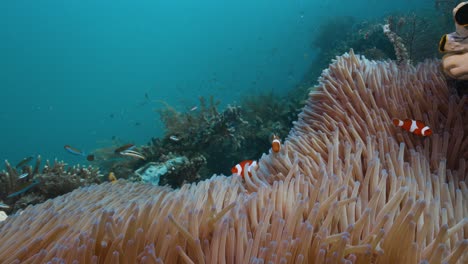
346	187
407	37
39	185
415	36
206	131
210	140
222	137
400	49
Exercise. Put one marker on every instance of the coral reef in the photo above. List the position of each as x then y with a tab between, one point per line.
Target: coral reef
122	166
18	189
198	135
223	138
170	170
419	33
208	141
416	36
401	53
347	186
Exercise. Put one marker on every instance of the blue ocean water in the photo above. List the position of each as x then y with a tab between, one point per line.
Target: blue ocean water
81	72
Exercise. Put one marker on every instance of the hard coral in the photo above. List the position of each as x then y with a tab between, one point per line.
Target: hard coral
346	187
206	131
39	185
172	170
211	140
224	137
412	36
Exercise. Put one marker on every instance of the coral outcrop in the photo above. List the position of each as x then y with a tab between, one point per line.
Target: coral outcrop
31	185
173	171
347	187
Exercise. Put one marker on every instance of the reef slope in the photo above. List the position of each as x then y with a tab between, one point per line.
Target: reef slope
346	186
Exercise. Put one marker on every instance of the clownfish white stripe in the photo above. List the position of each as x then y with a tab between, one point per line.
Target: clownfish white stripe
424	130
239	169
414	126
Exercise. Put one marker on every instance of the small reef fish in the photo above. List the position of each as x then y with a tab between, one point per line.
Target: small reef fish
78	152
124	148
24	175
174	138
23	162
276	144
414	126
193	108
244	165
134	154
112	177
4	206
27	188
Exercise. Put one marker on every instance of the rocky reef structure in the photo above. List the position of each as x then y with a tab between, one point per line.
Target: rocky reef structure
405	37
347	186
31	185
205	131
205	140
170	169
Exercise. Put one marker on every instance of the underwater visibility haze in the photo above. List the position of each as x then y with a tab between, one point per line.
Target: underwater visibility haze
261	131
77	72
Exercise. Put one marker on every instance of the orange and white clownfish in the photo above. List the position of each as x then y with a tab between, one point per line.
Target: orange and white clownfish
414	126
276	144
248	165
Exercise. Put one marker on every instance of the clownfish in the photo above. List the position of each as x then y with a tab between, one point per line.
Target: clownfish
414	126
276	144
248	165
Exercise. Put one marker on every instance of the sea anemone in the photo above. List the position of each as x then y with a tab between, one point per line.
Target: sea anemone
347	186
